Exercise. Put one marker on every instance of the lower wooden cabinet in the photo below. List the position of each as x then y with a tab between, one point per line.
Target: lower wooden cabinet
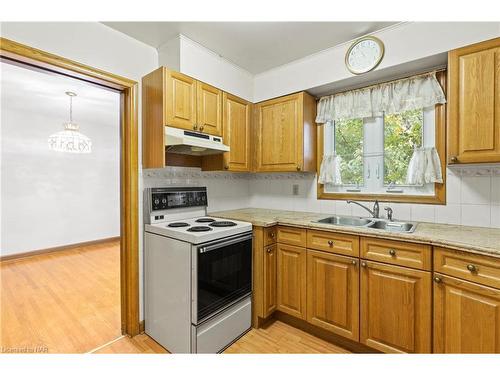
333	293
466	317
395	308
291	284
270	263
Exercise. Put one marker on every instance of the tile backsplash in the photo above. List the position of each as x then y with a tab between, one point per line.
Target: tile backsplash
473	194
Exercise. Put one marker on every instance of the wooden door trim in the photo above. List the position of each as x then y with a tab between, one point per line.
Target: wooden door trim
129	168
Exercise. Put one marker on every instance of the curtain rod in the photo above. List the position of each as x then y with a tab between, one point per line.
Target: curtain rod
414	75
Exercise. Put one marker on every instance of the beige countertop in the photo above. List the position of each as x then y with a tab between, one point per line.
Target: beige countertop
472	239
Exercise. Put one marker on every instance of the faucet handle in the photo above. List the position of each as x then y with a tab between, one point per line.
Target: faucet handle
389	213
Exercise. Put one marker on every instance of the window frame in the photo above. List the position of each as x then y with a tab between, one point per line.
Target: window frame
439	196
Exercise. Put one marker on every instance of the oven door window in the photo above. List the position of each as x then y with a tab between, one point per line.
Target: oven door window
224	276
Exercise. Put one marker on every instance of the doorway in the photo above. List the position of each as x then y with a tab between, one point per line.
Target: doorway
16	53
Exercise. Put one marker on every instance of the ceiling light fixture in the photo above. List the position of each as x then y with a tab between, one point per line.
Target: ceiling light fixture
70	139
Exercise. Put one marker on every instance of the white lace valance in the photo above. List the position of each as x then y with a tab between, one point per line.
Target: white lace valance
392	97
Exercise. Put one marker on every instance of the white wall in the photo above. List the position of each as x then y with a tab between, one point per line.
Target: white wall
50	198
191	58
96	45
404	43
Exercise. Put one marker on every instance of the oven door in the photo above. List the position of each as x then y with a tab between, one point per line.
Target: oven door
222	275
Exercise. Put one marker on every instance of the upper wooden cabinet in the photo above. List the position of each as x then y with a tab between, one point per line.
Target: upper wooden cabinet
209	109
466	317
395	308
286	134
474	103
174	99
179	98
236	125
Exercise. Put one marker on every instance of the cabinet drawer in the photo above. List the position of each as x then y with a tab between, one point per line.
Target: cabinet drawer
477	268
343	244
397	252
292	236
269	235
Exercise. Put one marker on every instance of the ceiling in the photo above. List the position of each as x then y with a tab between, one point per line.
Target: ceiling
254	46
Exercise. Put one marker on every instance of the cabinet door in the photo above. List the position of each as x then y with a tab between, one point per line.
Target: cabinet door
236	134
466	317
395	308
333	293
270	264
291	284
474	103
280	137
209	104
180	100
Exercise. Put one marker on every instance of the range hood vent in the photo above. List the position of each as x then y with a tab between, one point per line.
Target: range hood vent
187	142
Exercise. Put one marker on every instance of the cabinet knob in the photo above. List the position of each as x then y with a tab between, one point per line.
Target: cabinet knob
363	264
226	166
299	167
201	128
330	243
354	262
269	250
392	252
272	234
453	159
437	279
472	268
195	126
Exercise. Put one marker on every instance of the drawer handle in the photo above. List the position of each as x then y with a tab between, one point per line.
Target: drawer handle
201	127
354	262
454	159
271	234
330	243
270	250
392	252
363	264
472	268
437	279
195	126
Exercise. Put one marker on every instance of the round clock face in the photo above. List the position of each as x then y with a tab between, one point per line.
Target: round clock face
364	55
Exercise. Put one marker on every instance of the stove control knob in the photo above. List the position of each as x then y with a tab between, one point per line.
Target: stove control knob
164	200
157	201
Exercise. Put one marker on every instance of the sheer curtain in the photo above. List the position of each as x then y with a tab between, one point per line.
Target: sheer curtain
392	97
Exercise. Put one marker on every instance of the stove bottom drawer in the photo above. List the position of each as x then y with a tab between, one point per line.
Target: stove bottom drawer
214	335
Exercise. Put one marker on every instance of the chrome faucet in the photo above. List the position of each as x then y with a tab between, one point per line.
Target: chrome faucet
374	212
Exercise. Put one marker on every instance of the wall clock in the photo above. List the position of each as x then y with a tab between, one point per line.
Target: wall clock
364	55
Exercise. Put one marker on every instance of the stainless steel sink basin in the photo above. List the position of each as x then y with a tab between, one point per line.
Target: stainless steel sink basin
389	226
393	226
345	220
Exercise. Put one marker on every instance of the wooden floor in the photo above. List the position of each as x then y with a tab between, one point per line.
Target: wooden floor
275	338
61	302
69	302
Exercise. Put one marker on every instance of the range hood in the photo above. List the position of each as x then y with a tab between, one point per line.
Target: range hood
179	141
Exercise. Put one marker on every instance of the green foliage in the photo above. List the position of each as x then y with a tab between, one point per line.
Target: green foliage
349	146
402	132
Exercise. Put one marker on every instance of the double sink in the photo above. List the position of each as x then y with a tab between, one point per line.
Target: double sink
382	224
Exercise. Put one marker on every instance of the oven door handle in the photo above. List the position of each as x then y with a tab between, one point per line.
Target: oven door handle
206	249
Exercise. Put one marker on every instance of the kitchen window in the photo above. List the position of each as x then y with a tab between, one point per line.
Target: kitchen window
377	157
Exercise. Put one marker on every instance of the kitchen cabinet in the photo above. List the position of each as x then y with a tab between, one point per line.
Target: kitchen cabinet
333	293
270	264
174	99
285	134
291	280
291	236
395	308
236	133
474	103
466	317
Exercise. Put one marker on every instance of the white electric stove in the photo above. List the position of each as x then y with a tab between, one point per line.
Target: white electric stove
198	272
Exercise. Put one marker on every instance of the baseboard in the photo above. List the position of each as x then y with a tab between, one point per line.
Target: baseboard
141	326
323	334
58	248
